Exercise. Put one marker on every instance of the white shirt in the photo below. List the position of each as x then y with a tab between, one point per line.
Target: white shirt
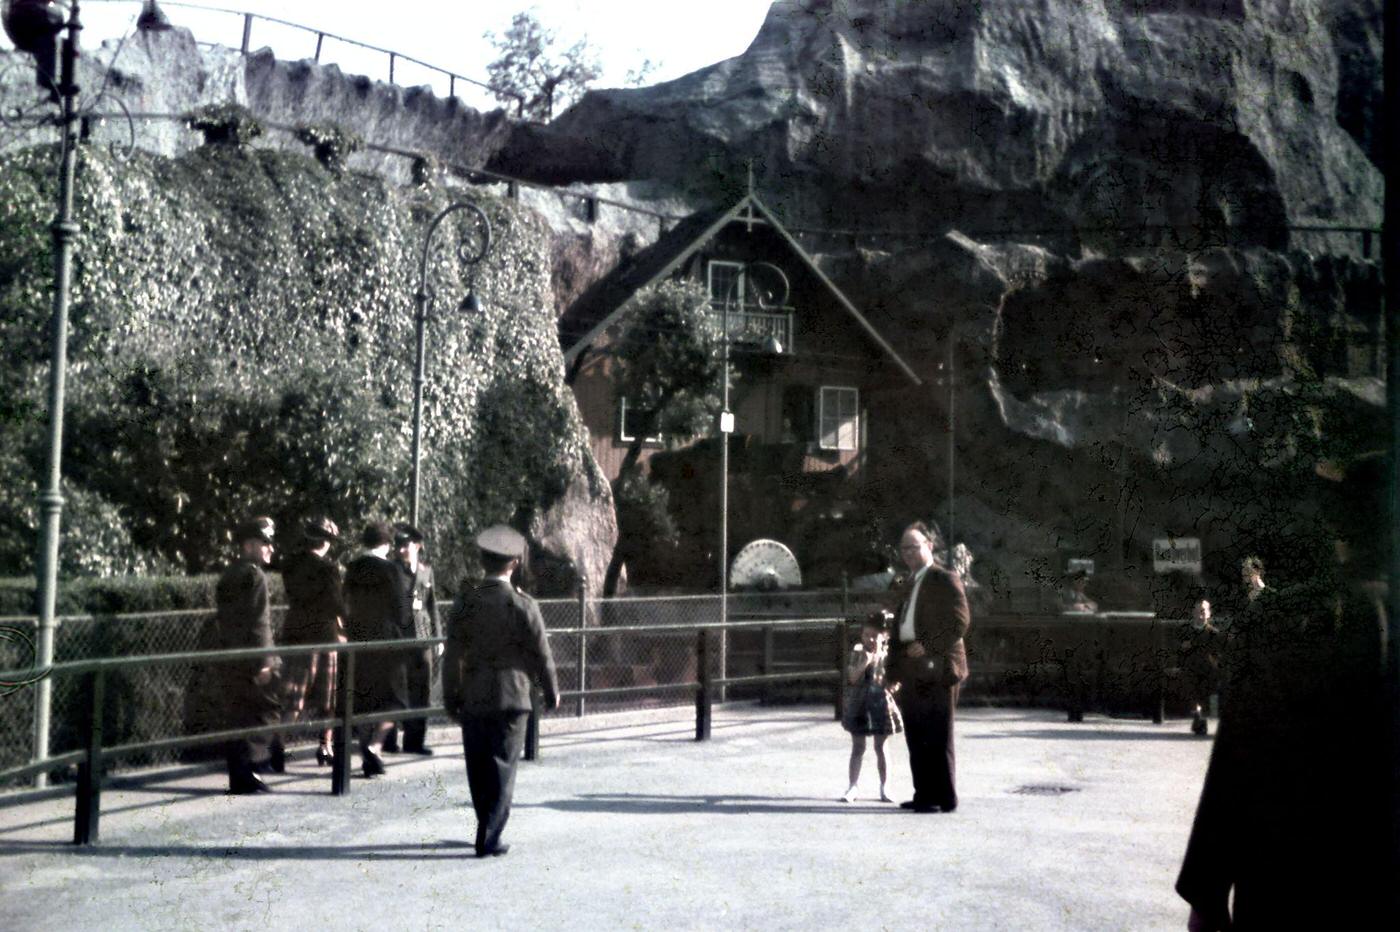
906	624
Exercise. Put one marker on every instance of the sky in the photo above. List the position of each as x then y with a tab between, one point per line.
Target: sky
680	36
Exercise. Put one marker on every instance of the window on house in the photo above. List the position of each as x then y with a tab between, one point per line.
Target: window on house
726	283
632	420
838	418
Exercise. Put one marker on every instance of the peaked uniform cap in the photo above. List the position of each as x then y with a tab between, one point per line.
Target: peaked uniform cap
501	541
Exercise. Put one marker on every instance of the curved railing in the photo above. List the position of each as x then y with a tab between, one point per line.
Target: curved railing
394	58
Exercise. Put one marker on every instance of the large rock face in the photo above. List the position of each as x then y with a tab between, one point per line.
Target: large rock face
1105	204
1001	114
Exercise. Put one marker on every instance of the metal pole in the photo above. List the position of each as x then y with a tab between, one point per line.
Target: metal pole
247	31
89	794
421	301
952	449
64	232
420	321
345	704
582	645
703	709
725	426
320	38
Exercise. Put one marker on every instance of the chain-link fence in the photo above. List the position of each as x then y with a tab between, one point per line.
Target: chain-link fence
612	655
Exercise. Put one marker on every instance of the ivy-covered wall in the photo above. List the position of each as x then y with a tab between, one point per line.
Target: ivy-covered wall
243	341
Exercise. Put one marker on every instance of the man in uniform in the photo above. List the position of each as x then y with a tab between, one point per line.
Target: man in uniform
377	607
418	577
929	662
496	650
248	686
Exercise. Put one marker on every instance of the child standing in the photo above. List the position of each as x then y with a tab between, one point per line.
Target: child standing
870	708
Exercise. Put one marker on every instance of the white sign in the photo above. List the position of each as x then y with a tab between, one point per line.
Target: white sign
1079	565
1176	555
726	422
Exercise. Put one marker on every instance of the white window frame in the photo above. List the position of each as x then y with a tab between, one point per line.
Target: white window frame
845	429
622	434
718	301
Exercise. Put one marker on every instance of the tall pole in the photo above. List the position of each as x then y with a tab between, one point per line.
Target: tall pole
952	449
726	424
420	320
64	231
422	301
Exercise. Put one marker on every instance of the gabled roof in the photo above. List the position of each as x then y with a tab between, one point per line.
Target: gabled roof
605	301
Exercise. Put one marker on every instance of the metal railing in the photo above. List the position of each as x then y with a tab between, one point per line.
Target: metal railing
93	754
393	58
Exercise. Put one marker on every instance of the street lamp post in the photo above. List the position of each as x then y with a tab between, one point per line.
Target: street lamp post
726	427
422	303
33	26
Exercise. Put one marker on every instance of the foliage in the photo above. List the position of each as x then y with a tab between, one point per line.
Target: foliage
330	144
647	532
225	124
531	76
669	370
119	595
242	341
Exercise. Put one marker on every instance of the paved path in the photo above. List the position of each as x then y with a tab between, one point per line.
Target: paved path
639	826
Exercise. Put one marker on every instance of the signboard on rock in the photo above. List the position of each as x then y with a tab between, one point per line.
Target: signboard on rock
1176	555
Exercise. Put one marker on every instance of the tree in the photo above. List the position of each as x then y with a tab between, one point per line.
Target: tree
531	76
669	362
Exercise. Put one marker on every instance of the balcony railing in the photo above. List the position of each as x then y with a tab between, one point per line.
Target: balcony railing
754	327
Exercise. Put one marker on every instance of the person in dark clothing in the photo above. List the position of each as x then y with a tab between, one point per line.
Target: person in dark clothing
928	664
248	687
418	576
1294	829
496	650
315	615
1200	663
377	609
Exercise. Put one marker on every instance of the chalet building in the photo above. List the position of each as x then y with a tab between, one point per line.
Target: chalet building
809	404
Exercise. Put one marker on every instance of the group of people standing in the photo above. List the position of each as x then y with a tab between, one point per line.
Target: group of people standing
496	651
375	598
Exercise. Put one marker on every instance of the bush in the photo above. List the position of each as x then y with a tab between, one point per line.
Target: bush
121	595
241	343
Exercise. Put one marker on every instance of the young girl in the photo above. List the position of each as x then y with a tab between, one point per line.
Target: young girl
870	708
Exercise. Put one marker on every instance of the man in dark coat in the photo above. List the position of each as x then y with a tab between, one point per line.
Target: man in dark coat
418	577
377	609
1294	829
928	661
496	650
248	687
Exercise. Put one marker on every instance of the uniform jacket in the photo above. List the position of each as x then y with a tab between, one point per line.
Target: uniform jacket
376	600
496	649
242	619
941	619
422	600
315	603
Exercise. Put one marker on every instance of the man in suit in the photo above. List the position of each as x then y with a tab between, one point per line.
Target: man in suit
248	687
418	577
496	650
377	607
928	661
